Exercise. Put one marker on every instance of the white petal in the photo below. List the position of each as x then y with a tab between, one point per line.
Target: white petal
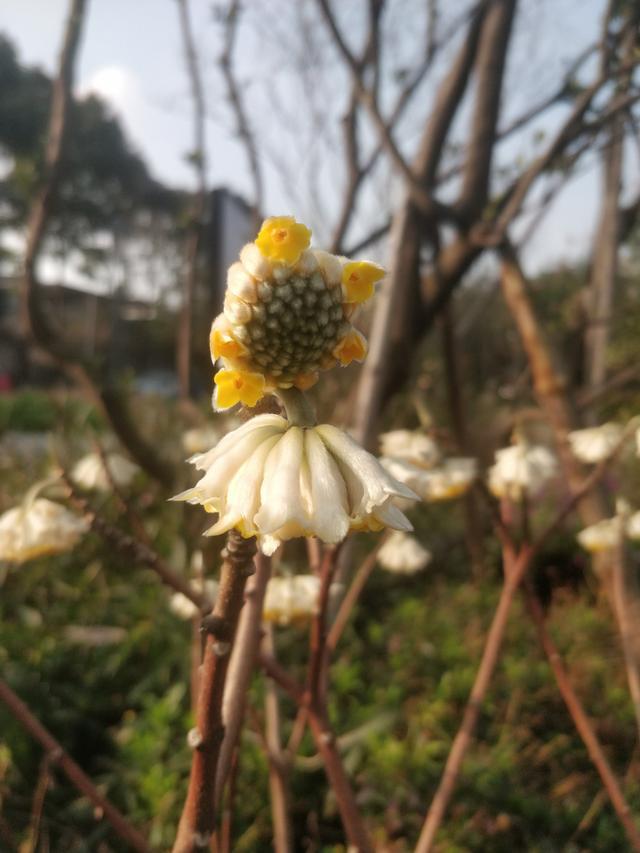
202	461
280	494
328	491
255	262
242	499
389	515
241	283
375	483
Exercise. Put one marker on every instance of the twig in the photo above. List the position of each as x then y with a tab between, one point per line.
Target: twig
279	768
241	667
235	97
40	793
58	756
515	570
326	745
358	583
199	203
197	824
133	547
227	811
582	722
463	738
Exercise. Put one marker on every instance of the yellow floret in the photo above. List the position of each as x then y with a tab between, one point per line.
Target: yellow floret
353	347
358	278
236	386
224	345
283	240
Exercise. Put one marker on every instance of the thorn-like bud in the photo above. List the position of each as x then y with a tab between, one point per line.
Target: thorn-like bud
220	648
194	738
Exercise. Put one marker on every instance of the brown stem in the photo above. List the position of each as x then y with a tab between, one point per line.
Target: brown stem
74	773
197	824
353	594
465	733
241	668
227	812
134	548
581	721
279	769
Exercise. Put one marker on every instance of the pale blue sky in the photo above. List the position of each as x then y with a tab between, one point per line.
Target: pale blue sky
132	55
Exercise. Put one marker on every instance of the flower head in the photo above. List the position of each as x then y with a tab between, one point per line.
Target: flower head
403	554
595	443
450	480
37	528
287	315
90	473
291	600
278	482
604	535
410	446
521	469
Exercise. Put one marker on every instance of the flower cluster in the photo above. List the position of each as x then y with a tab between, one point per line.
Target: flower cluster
291	600
287	315
415	459
276	481
37	528
594	444
520	470
403	554
90	472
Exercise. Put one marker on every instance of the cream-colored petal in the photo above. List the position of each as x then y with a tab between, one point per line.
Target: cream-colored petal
255	262
330	267
241	283
328	491
389	515
242	499
202	461
355	462
280	496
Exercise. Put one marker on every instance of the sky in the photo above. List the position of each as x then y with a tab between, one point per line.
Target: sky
131	55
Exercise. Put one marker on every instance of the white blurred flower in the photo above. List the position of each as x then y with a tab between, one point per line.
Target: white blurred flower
37	528
89	472
183	607
633	526
521	469
602	536
403	554
291	599
410	446
277	482
595	443
450	480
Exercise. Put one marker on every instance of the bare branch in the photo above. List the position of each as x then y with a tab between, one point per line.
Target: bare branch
490	64
58	756
235	97
198	156
197	823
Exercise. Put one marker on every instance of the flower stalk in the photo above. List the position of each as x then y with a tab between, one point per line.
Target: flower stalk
197	823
